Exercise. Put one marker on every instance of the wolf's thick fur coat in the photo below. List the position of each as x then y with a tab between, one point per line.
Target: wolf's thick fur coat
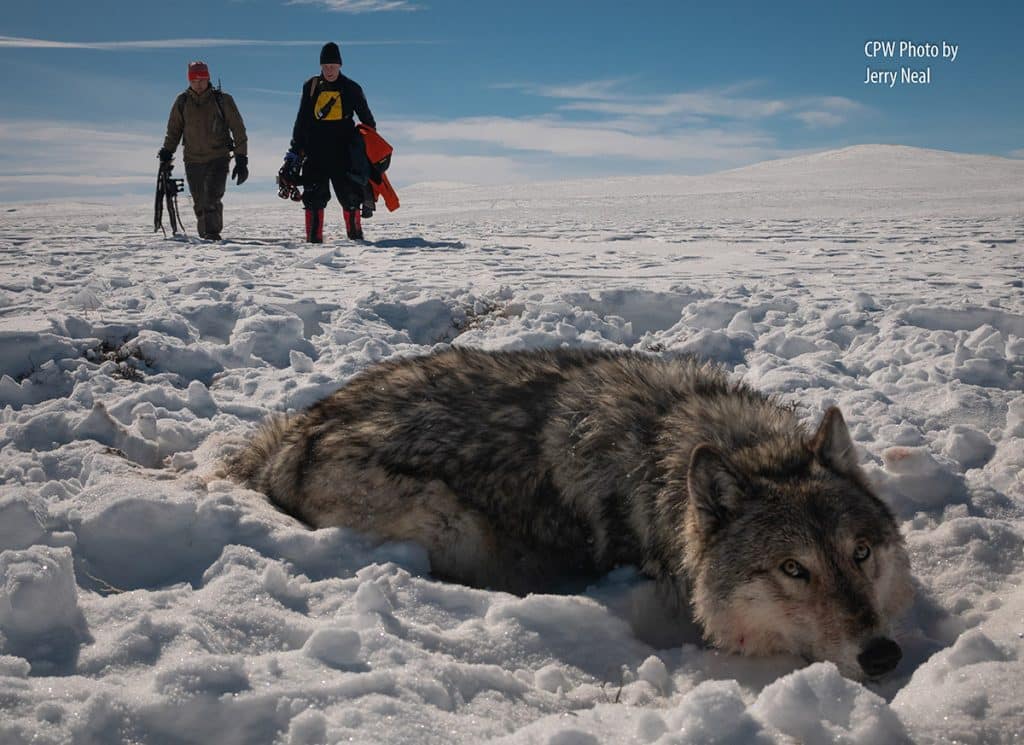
518	469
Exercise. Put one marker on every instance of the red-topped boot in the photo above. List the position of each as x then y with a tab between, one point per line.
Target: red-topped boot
315	226
353	225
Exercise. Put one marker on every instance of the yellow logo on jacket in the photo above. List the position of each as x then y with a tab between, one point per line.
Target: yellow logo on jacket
328	106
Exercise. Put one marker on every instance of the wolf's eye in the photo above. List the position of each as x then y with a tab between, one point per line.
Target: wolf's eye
861	552
794	569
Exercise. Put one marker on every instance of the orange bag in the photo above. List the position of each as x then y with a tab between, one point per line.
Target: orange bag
379	151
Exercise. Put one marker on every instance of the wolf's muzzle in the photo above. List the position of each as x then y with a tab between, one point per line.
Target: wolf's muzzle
880	656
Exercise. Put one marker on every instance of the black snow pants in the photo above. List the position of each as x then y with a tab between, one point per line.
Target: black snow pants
207	182
319	176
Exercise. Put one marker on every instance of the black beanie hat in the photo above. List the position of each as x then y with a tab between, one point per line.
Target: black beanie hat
330	54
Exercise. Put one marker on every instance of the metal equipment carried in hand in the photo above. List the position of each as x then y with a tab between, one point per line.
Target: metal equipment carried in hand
167	190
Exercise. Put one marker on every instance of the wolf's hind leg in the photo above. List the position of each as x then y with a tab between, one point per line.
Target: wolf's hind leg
461	541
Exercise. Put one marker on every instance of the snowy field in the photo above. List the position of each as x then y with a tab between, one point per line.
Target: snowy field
142	602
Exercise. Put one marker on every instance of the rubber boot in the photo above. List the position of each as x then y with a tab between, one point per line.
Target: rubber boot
353	225
314	226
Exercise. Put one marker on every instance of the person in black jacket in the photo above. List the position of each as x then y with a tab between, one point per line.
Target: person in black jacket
325	135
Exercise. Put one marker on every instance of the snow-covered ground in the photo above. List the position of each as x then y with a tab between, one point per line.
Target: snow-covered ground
141	603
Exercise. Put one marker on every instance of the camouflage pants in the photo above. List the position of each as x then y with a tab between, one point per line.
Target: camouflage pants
206	182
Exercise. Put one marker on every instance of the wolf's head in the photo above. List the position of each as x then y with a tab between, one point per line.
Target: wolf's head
788	550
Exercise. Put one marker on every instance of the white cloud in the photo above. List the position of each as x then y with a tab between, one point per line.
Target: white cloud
704	104
413	168
592	140
600	90
820	118
359	6
1018	153
606	97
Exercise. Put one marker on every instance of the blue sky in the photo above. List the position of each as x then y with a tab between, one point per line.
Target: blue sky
492	92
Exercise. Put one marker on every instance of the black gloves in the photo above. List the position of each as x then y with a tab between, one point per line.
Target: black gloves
241	170
292	164
165	155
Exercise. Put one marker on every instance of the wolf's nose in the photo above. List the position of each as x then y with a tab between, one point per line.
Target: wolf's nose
880	656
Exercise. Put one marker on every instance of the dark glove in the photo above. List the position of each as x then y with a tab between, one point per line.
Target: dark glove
165	155
241	170
292	163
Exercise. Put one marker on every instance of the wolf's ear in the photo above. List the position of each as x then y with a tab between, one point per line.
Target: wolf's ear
832	445
715	489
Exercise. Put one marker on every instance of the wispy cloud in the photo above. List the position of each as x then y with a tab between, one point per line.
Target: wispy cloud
608	97
621	140
1018	153
419	168
19	42
360	6
820	118
599	90
605	124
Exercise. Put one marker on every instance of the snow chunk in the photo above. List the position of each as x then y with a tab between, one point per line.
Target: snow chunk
100	426
38	592
968	318
39	615
370	598
20	526
146	534
817	704
715	712
334	647
164	353
21	352
572	737
653	670
864	301
915	475
200	401
273	337
301	363
1015	417
14	667
308	728
208	674
968	446
968	693
551	678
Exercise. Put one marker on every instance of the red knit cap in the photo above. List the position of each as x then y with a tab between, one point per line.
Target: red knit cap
198	71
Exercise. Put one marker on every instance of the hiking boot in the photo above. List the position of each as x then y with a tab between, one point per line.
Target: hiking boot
353	225
314	226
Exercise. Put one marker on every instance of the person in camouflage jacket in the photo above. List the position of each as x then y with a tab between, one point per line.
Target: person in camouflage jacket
212	128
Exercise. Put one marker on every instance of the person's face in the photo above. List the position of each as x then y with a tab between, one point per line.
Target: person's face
199	85
330	72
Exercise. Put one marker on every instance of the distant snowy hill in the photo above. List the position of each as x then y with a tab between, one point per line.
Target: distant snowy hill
893	179
885	166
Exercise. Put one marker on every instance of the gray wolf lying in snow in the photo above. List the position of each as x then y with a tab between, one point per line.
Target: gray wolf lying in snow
518	469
